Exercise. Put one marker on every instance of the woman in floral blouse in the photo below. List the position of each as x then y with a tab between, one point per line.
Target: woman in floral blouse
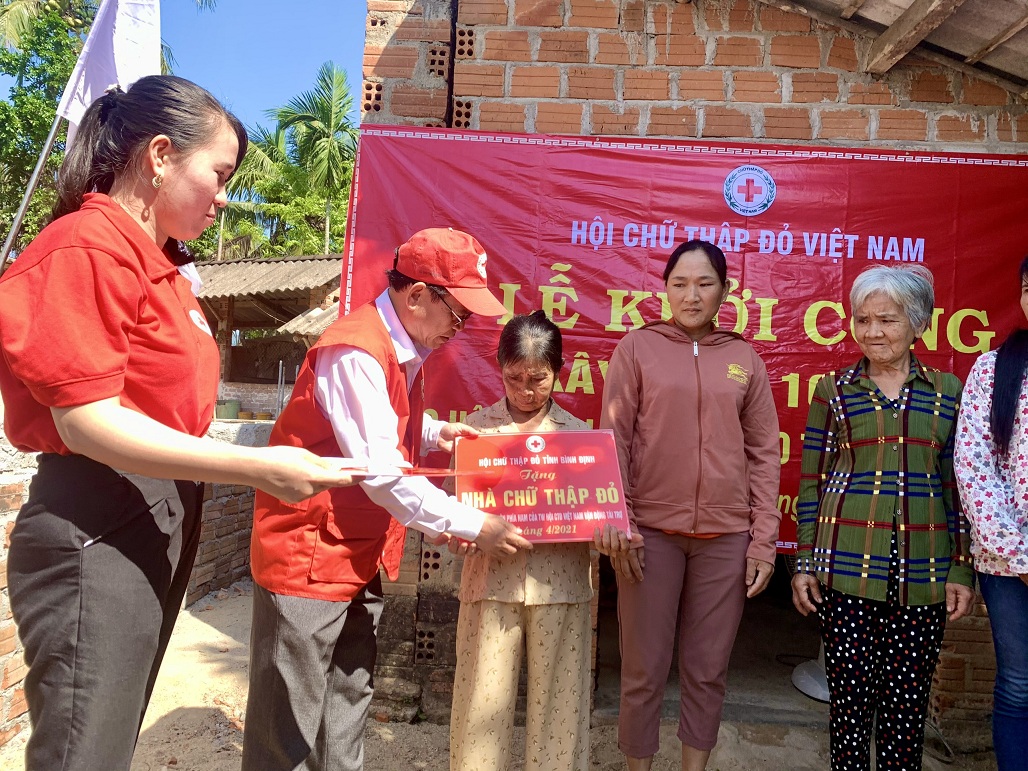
991	461
535	600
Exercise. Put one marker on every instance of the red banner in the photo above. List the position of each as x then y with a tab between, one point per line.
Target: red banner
582	227
557	487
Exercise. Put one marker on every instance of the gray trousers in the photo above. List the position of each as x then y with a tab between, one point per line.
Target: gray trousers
98	565
311	666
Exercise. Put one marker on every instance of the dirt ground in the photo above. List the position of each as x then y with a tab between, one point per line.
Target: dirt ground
195	720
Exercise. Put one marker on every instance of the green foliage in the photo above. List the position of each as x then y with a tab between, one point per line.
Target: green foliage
17	18
40	41
40	69
293	178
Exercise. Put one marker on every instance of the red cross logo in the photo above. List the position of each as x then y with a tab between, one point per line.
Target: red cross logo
750	191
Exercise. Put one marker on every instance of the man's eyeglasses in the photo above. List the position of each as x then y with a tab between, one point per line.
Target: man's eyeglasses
458	320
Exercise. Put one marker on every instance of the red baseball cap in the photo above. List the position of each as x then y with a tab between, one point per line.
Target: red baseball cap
451	259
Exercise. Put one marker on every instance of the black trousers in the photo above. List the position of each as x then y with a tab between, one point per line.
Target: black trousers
879	660
98	566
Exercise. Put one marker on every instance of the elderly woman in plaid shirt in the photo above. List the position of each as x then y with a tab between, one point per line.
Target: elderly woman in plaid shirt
883	544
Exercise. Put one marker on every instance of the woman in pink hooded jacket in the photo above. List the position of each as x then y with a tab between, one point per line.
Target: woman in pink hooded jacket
697	437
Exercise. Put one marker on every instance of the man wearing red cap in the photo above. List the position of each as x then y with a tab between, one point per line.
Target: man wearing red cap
317	592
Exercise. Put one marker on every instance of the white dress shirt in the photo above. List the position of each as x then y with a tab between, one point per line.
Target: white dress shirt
350	390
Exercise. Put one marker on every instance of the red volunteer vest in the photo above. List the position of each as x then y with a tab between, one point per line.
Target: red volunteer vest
331	545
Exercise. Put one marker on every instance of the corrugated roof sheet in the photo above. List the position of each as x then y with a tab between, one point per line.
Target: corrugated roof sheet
312	323
255	277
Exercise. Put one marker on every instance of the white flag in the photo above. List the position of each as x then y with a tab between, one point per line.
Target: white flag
123	45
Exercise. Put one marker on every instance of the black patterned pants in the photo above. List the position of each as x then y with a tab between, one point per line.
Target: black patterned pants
879	658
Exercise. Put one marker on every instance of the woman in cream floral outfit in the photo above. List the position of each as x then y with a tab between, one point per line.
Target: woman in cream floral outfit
536	599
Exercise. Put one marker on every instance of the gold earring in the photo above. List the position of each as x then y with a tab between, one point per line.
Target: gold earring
157	181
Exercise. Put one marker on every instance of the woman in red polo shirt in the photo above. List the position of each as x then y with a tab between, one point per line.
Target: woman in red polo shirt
109	370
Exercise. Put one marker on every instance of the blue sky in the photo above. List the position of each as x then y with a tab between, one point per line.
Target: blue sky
255	55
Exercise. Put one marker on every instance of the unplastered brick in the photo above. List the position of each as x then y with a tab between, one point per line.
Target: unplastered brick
774	20
800	51
738	52
392	61
842	55
535	82
871	93
911	125
726	122
931	87
978	92
814	87
539	13
413	102
1006	127
633	16
607	121
594	14
416	29
844	124
754	86
570	47
708	85
651	85
591	83
787	123
507	46
741	17
558	118
473	12
960	128
501	116
395	6
680	49
674	18
672	122
620	48
477	79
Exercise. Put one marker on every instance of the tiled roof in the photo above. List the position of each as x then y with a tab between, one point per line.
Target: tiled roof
312	323
256	277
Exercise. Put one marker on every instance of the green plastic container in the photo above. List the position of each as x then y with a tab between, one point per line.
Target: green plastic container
227	409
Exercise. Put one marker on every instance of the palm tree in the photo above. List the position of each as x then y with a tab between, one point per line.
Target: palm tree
265	164
323	135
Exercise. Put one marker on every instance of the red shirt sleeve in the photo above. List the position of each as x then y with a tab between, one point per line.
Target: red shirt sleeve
66	325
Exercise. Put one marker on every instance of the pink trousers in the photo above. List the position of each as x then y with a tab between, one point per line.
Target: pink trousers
699	587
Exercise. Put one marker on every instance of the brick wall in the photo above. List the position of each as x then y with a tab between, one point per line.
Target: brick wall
14	718
255	397
711	69
222	559
962	686
719	70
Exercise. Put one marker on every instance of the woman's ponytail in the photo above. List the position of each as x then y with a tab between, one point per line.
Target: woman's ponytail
78	174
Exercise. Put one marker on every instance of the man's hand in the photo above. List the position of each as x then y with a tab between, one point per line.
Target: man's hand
959	599
498	536
806	593
758	573
451	431
455	545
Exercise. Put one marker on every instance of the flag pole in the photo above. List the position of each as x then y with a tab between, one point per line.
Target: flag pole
33	181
